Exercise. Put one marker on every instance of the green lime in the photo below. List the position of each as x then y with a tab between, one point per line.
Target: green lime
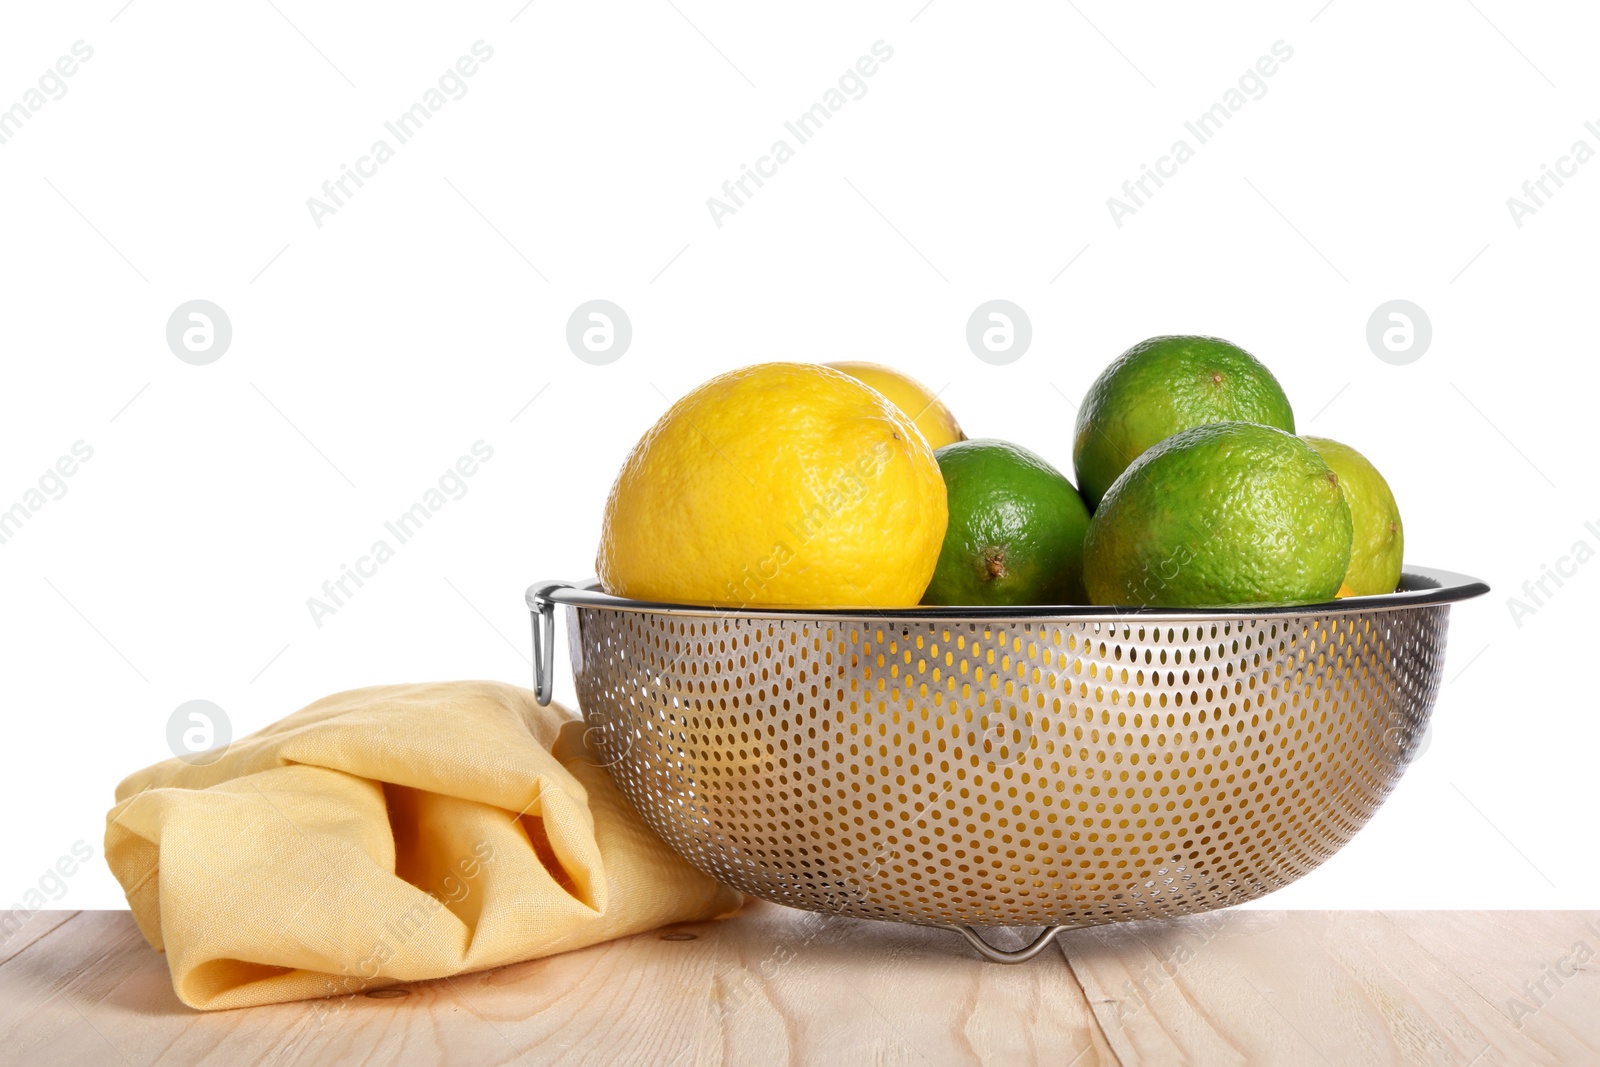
1159	387
1227	513
1016	529
1379	538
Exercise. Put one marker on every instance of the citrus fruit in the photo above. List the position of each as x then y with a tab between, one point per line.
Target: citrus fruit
779	484
1378	539
1016	529
918	402
1225	513
1159	387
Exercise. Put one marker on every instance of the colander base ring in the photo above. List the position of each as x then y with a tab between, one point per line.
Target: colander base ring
995	954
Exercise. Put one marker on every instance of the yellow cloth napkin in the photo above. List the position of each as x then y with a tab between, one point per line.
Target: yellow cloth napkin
385	835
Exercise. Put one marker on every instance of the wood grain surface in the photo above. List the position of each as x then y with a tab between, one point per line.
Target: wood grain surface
771	985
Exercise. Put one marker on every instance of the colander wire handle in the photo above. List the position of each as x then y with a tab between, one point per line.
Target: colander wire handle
542	612
1000	955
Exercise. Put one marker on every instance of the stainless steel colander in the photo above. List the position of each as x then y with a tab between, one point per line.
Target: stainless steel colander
980	767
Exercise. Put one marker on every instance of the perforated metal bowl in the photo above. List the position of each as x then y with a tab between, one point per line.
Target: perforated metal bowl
962	767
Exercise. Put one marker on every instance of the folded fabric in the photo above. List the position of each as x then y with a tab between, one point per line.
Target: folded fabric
385	835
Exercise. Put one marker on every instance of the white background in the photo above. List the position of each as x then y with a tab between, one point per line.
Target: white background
425	314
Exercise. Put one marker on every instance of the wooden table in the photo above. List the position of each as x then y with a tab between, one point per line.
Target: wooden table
772	985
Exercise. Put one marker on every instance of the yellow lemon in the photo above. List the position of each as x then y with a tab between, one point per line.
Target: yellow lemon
916	400
782	484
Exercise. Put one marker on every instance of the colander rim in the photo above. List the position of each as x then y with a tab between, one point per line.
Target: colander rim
1420	587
